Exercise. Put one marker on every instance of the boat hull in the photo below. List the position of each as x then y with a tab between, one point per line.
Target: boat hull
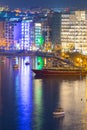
58	72
58	113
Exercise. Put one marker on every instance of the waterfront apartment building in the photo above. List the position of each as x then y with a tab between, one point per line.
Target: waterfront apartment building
23	34
42	33
38	34
26	34
12	33
74	31
18	34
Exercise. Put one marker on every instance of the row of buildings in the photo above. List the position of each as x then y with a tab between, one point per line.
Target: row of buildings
29	31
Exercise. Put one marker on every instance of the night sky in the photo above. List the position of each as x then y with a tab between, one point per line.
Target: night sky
45	3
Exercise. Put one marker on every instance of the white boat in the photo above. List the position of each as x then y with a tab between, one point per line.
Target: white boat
16	66
59	112
27	63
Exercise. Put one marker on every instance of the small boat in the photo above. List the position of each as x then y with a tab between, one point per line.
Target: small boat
59	112
16	66
27	63
2	61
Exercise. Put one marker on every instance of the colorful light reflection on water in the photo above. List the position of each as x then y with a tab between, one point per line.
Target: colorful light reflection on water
24	97
27	103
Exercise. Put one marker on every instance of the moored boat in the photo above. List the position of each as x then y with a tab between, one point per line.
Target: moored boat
59	71
59	112
54	67
27	63
16	66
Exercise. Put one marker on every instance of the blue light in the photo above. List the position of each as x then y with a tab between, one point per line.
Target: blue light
24	97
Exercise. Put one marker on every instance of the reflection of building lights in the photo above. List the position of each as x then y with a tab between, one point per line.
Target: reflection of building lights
24	96
38	100
39	62
0	92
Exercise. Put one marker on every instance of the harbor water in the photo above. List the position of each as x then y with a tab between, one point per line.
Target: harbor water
28	102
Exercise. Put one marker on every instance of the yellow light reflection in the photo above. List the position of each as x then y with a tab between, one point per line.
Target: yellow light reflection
0	92
84	120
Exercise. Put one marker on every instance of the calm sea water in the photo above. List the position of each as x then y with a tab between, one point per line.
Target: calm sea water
27	102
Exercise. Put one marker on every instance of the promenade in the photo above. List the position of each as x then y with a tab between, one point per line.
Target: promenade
25	53
12	53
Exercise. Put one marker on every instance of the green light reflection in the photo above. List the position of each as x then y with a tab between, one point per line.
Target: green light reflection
38	104
39	63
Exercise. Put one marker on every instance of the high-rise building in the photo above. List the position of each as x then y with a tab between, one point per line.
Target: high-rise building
12	33
39	40
25	34
74	31
18	34
54	22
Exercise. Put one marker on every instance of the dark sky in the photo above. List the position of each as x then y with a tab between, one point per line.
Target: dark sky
45	3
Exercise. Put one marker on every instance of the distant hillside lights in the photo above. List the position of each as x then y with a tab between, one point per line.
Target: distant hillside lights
4	8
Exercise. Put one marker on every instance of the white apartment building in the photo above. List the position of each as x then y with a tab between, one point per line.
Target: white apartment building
18	34
74	31
26	34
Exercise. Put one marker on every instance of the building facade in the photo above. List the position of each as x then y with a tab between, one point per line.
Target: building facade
54	22
74	31
26	28
18	34
2	36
